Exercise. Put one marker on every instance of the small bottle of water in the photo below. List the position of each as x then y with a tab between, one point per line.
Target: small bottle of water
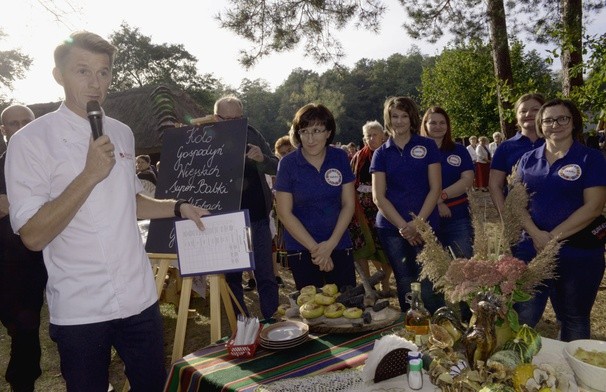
415	375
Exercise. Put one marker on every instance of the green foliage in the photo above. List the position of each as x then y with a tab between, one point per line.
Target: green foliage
355	95
260	105
140	62
281	25
13	65
370	82
465	19
541	18
591	97
462	82
287	92
531	73
303	87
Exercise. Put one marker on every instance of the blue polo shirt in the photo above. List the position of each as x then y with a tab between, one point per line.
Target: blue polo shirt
316	194
406	176
454	163
511	150
557	190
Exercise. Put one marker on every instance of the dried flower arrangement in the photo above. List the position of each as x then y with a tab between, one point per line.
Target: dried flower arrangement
492	272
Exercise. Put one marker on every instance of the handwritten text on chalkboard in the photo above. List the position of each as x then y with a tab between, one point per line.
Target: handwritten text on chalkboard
203	165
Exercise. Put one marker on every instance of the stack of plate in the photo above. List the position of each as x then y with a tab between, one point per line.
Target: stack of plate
285	334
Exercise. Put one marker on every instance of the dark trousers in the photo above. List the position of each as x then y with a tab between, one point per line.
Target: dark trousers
85	352
403	260
306	273
267	287
572	293
22	285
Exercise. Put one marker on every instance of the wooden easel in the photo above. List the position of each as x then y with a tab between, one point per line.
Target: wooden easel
219	291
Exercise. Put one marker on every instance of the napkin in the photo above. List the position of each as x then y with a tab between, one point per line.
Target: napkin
247	329
251	331
381	348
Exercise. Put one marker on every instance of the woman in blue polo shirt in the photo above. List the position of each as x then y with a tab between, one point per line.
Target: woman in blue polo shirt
455	230
315	202
511	150
406	180
567	186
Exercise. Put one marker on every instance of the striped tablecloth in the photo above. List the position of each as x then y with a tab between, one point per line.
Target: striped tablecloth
211	368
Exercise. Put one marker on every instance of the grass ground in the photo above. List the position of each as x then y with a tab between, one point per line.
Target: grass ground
198	333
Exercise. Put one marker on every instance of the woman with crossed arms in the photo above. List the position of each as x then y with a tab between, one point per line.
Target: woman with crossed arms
315	202
406	180
455	231
567	189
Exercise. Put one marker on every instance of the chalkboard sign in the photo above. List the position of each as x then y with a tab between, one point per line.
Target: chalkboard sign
204	165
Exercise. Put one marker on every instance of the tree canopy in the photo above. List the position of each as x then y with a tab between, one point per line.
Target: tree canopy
140	62
461	82
277	26
280	25
13	65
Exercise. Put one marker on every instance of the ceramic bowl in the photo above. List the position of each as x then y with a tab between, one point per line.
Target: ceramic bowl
587	375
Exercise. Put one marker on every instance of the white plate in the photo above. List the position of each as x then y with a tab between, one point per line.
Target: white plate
285	342
285	345
284	331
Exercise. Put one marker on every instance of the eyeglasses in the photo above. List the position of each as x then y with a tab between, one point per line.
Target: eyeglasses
549	122
311	131
228	118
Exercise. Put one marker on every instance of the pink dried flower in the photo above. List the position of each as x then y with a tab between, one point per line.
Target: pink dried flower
511	267
507	287
492	274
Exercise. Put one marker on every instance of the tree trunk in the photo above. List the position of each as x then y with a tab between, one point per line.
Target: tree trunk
572	45
501	61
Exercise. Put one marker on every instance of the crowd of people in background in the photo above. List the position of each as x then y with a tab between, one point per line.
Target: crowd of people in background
315	207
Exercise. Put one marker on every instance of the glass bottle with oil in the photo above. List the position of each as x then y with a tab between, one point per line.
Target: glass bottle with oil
417	317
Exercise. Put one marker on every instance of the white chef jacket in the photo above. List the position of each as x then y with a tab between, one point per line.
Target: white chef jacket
98	269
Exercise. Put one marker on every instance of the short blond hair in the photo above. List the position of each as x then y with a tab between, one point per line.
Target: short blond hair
228	99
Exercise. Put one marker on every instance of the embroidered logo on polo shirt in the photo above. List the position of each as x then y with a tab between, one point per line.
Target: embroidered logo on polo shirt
418	152
454	160
333	177
125	155
570	172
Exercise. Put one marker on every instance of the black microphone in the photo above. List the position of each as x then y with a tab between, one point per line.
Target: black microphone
95	115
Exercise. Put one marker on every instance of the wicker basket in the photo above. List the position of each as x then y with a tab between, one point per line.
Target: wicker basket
245	350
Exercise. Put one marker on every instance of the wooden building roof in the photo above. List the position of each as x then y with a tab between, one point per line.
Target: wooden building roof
148	111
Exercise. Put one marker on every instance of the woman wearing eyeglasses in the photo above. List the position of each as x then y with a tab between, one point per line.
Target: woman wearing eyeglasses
567	189
315	202
511	150
406	180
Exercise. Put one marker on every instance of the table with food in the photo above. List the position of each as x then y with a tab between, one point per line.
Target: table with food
339	339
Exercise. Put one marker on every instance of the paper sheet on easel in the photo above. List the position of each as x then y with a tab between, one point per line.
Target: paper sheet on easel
223	246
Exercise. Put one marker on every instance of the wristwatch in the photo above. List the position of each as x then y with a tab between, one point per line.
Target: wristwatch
444	196
178	207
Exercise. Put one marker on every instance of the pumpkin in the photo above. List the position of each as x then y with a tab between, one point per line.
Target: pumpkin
532	339
505	358
521	348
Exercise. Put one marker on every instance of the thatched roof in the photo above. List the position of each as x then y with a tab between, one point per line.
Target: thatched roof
147	110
